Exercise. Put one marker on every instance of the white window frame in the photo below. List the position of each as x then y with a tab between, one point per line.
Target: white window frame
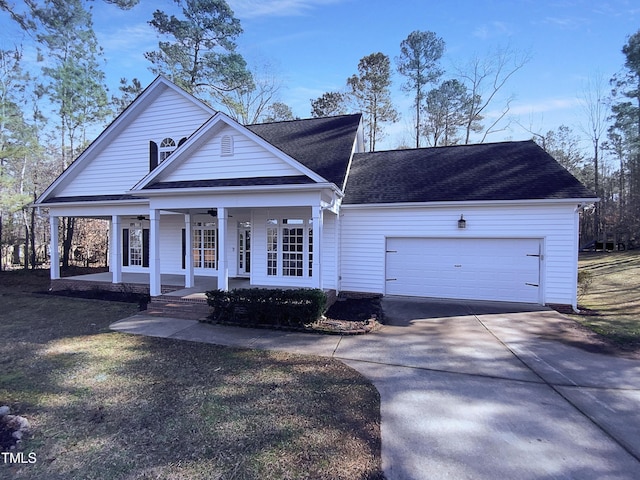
281	260
166	148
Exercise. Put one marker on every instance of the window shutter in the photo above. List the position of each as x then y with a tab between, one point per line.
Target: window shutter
145	247
182	140
125	247
184	248
153	155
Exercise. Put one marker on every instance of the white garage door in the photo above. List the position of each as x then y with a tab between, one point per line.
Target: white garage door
503	269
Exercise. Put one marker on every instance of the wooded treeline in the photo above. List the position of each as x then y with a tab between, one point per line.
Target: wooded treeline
51	112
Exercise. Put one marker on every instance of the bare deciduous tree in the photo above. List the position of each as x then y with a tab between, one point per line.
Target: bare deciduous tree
485	77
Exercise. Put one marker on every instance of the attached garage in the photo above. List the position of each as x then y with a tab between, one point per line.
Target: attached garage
504	269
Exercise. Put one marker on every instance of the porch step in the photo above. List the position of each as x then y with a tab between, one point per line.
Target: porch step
178	308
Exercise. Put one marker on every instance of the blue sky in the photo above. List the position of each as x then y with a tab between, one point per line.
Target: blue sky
316	44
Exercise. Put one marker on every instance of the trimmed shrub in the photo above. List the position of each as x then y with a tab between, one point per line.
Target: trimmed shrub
266	306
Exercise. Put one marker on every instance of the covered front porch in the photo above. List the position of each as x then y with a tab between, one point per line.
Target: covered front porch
221	240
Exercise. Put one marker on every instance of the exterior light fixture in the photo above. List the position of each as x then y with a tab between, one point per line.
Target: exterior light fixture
462	223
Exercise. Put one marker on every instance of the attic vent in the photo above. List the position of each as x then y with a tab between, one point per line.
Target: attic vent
226	146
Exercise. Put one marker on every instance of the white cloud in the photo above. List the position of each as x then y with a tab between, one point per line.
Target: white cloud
278	8
544	105
568	23
492	30
138	38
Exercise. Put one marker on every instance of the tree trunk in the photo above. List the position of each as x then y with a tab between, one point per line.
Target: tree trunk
26	245
69	224
32	234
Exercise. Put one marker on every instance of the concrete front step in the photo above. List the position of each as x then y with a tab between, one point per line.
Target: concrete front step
178	308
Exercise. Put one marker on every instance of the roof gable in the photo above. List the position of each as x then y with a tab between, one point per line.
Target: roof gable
483	172
119	156
205	157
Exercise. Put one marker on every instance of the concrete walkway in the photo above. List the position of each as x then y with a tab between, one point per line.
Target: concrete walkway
472	390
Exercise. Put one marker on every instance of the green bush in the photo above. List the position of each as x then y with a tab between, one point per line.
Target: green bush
263	306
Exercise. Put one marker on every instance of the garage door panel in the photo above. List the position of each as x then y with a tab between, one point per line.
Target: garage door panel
491	269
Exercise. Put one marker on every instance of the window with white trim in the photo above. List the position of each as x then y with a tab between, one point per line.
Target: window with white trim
167	146
289	247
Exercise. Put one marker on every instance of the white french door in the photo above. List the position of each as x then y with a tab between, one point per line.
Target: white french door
244	251
205	245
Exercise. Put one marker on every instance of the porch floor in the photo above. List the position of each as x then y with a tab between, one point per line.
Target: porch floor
168	281
172	285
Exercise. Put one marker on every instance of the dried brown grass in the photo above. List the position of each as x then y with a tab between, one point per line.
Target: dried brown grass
112	406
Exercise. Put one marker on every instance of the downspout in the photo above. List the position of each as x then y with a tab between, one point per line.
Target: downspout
576	220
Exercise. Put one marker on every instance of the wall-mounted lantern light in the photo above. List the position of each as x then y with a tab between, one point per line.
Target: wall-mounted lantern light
462	223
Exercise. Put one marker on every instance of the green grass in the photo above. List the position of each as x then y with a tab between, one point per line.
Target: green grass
114	406
613	295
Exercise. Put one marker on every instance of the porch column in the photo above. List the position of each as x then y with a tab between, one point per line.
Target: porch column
316	268
189	277
223	270
54	222
116	250
155	286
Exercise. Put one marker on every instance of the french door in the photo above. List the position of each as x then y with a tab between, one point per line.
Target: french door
244	251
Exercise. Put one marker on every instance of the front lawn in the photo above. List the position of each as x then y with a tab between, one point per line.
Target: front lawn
113	406
613	296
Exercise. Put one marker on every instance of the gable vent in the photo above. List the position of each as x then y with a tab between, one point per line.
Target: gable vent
226	146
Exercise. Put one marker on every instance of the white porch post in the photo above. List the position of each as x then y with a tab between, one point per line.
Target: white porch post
223	270
189	277
116	250
54	222
316	268
155	287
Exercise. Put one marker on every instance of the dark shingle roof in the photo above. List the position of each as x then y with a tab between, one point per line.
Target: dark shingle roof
323	145
491	171
233	182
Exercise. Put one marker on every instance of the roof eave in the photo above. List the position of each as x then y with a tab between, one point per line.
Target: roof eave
140	201
472	203
163	192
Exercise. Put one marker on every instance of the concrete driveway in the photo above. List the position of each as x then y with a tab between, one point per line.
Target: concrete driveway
473	390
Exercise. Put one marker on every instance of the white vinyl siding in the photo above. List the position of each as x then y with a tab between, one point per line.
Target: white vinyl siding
364	232
124	161
248	160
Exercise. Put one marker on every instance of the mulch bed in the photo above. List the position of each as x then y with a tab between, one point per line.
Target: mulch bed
95	294
351	316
